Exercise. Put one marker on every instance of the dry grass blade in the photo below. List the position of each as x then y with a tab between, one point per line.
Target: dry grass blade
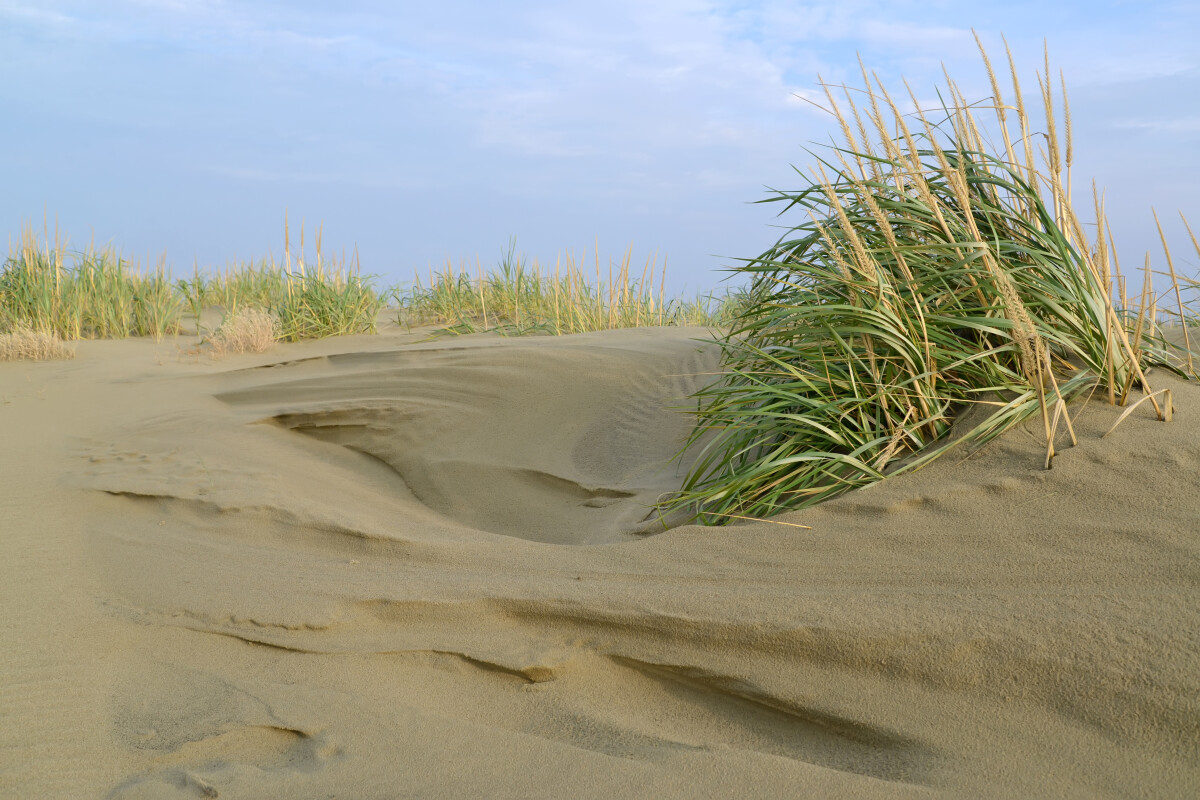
771	521
1166	415
1187	342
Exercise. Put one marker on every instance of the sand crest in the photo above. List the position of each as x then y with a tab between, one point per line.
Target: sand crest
379	567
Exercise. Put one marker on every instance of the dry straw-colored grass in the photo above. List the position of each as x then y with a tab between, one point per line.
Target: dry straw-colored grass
26	344
247	330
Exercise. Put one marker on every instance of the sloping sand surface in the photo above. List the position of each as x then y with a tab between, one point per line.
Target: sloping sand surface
376	567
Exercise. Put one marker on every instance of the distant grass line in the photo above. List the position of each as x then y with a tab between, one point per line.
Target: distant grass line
97	294
310	300
519	298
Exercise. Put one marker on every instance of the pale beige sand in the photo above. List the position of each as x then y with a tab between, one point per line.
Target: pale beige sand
367	568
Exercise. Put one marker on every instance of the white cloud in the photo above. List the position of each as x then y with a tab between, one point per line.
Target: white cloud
179	6
1134	65
37	15
938	41
1181	125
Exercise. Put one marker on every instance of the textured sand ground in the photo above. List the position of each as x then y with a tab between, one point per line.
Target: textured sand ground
374	568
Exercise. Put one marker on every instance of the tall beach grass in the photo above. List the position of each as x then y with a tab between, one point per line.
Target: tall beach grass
94	293
936	265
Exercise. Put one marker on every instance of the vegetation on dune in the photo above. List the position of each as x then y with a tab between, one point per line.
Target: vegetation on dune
22	343
96	293
310	299
247	330
937	289
519	298
930	274
45	287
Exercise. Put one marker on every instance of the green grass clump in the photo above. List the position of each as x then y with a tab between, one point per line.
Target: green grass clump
519	298
322	304
929	275
309	300
85	295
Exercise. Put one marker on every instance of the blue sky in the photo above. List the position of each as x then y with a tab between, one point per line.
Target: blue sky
426	131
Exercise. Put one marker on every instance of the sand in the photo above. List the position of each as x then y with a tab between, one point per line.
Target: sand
374	567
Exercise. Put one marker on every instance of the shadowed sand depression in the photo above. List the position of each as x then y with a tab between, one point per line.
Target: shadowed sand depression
376	568
569	444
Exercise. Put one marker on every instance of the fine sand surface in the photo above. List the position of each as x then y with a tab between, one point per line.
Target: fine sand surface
373	567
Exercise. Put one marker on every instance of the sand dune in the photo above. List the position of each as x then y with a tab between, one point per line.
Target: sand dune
379	567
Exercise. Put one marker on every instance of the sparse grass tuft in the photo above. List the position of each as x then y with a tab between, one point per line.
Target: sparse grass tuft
929	274
25	344
247	330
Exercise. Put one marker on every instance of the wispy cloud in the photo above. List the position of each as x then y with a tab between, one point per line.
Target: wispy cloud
1180	125
36	15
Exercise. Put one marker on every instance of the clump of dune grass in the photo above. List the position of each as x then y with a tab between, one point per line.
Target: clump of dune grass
310	298
320	302
247	330
522	298
88	294
930	273
26	344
